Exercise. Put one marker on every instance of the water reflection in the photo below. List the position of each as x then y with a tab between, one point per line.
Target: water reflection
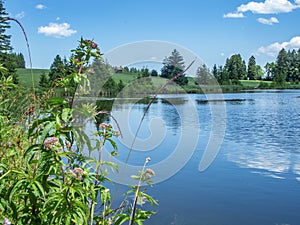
160	107
264	136
261	134
263	160
104	106
254	176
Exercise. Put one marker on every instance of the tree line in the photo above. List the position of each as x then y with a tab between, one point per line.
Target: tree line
286	67
99	74
8	59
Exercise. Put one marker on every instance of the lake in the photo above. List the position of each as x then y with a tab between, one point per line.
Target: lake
248	145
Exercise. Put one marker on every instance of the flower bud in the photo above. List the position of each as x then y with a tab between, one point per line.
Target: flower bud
94	45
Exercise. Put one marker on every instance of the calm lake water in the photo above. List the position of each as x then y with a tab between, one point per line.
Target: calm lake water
254	178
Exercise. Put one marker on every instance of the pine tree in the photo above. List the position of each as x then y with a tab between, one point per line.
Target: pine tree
236	68
203	75
6	59
216	73
175	59
57	69
44	82
21	61
281	68
4	25
251	73
154	73
98	74
173	65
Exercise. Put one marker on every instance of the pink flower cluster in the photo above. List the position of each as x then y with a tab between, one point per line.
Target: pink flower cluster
149	173
77	173
94	44
105	126
48	143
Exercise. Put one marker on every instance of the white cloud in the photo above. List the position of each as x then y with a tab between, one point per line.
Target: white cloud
57	30
266	7
269	7
57	18
273	49
234	15
20	15
40	6
270	21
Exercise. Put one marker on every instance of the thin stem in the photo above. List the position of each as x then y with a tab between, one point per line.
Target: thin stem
103	212
137	194
66	197
92	209
147	109
150	103
97	178
28	48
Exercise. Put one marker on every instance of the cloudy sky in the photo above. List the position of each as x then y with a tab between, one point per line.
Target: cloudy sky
213	30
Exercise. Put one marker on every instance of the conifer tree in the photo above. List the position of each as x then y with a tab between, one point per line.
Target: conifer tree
4	25
174	65
281	68
7	60
251	72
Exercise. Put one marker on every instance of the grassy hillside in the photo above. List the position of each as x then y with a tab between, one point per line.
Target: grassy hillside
254	83
25	76
125	77
25	80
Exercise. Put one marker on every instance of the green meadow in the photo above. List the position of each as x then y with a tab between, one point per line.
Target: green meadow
26	75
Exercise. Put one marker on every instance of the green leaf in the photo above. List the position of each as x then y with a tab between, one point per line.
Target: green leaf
122	218
58	123
114	145
150	199
17	187
49	126
56	101
66	115
65	154
77	78
135	177
32	148
110	164
40	187
36	123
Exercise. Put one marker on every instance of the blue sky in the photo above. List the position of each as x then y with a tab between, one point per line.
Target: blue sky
213	30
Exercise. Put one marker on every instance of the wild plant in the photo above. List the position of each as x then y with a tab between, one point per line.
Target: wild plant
44	176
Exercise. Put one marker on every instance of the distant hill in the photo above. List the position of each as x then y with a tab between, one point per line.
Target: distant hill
25	76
